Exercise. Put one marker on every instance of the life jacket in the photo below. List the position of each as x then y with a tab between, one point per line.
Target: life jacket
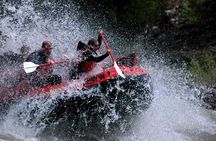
87	66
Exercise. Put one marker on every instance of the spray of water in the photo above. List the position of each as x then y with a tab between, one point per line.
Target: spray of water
175	113
171	116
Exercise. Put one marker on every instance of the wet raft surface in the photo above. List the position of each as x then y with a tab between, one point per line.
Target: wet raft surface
104	109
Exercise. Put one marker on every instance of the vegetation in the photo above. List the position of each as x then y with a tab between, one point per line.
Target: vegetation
137	13
193	10
128	13
204	69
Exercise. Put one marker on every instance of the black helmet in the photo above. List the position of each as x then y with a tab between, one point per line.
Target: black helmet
92	42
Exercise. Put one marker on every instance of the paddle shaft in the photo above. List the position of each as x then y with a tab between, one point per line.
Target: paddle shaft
30	66
56	62
118	70
106	45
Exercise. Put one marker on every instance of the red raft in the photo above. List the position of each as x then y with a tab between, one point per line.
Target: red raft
107	75
129	95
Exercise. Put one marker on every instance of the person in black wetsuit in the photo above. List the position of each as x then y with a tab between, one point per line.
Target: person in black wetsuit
129	60
89	57
43	75
11	58
11	67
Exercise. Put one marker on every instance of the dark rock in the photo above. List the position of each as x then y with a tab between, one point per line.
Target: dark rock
210	99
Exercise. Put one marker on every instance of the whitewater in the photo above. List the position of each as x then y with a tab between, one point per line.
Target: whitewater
174	114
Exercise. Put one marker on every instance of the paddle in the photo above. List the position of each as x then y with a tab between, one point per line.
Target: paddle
30	66
118	70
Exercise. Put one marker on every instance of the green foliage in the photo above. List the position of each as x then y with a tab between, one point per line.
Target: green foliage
191	16
200	2
137	13
191	10
204	69
133	13
142	12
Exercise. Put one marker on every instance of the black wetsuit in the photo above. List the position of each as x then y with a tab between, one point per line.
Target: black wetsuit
35	78
37	57
89	57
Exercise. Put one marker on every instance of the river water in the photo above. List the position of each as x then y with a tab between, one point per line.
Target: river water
174	114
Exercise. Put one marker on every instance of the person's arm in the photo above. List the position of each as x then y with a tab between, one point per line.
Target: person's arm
99	40
100	58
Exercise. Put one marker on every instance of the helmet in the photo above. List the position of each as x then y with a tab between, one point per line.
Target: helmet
46	43
92	42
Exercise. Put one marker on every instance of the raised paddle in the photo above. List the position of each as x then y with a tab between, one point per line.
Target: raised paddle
118	70
30	66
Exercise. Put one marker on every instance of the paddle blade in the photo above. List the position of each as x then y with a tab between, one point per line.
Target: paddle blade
118	70
29	67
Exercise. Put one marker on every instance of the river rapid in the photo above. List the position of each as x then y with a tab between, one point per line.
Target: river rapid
175	113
